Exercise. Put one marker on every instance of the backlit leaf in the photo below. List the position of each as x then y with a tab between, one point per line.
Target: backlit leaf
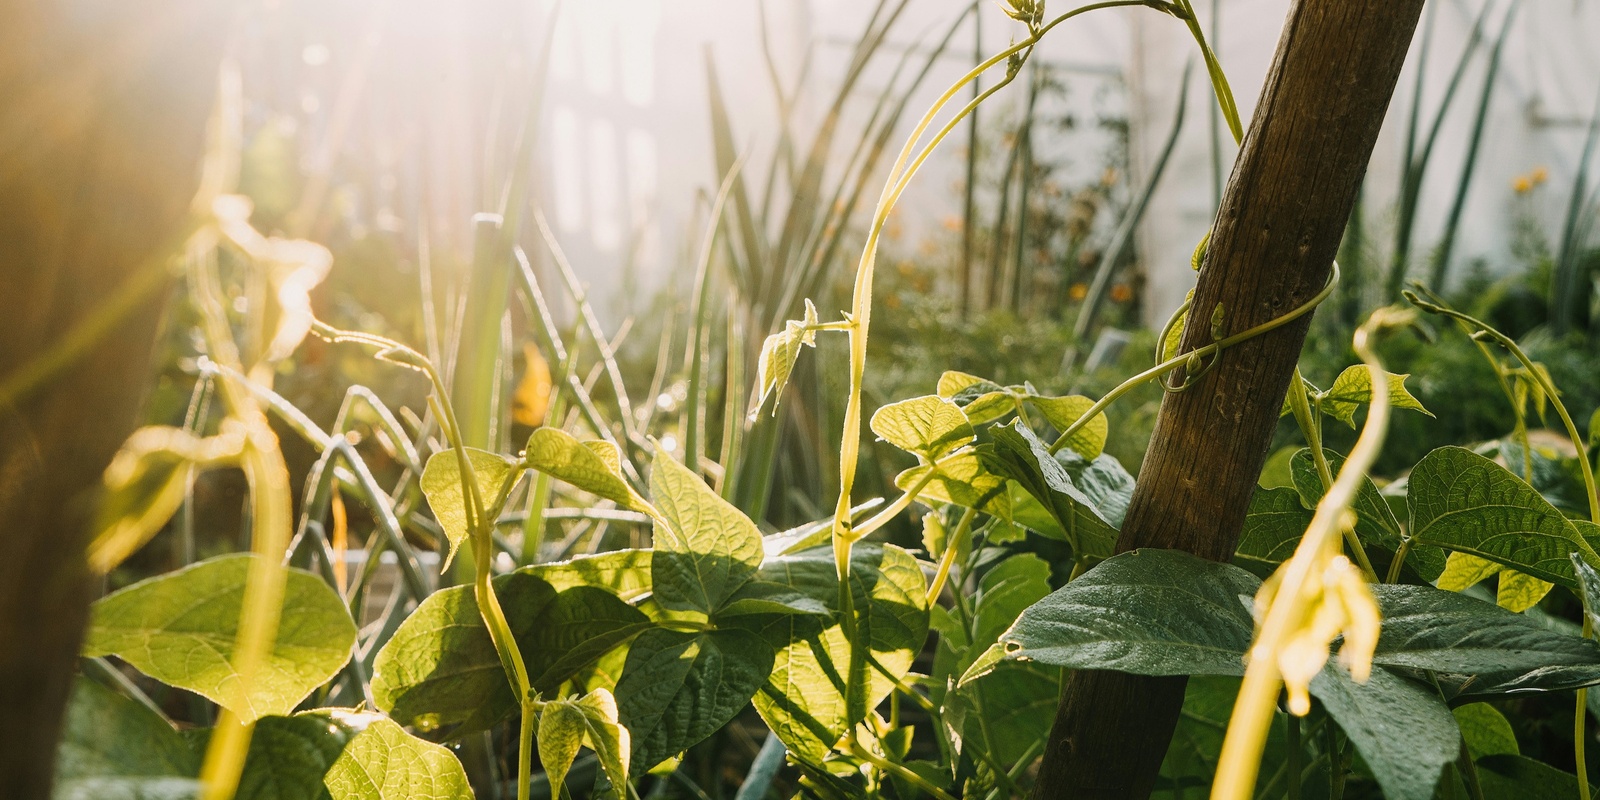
803	700
594	467
778	354
1088	441
929	426
706	550
383	762
1485	730
441	483
179	628
1353	389
441	674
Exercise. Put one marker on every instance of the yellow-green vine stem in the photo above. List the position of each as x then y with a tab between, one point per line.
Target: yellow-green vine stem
1310	421
270	505
480	526
1240	760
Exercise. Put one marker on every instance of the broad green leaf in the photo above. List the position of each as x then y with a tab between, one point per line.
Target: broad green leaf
1432	629
1273	526
677	688
1588	590
1400	727
114	748
383	762
778	354
803	700
290	755
441	674
1515	777
1018	454
1107	484
952	383
1485	730
1518	592
1148	612
145	484
1353	389
441	483
624	573
1376	525
179	628
770	597
706	550
959	480
561	730
930	426
1464	502
1008	714
1556	476
1004	593
605	735
981	400
594	467
1011	710
1088	441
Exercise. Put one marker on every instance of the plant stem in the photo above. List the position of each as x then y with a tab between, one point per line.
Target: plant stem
1252	714
951	546
1182	359
1310	421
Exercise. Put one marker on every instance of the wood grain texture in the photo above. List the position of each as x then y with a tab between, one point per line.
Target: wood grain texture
1282	216
103	105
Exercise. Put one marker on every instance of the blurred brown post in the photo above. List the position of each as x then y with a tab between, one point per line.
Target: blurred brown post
103	105
1275	237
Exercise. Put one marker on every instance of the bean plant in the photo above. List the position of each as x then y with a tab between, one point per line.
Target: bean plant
1347	626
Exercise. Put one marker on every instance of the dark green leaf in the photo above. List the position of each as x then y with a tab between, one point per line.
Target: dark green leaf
1485	730
804	699
113	748
1461	501
1018	454
678	688
1402	729
1376	525
1514	777
1148	612
180	628
290	755
1431	629
1273	526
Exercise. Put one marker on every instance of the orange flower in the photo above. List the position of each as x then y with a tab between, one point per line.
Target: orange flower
1539	175
1078	291
1121	293
1521	184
